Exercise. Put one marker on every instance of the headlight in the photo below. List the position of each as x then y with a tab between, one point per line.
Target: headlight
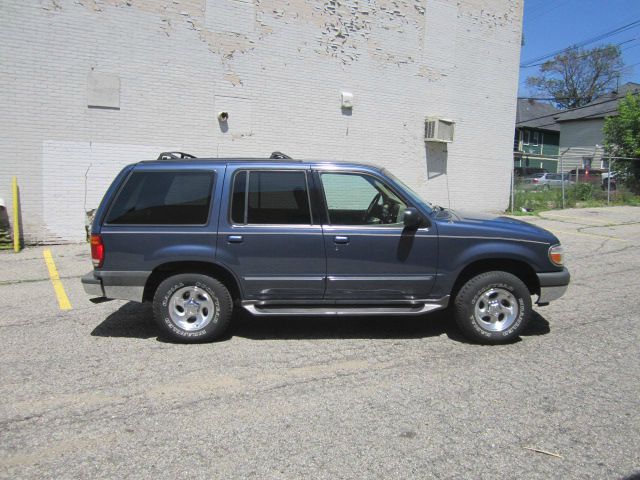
556	255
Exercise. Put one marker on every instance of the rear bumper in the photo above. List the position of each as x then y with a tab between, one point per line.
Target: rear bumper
92	285
553	285
116	285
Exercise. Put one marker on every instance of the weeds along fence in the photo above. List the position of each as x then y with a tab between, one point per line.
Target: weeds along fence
580	181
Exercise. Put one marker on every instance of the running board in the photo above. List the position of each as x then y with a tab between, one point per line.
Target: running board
262	308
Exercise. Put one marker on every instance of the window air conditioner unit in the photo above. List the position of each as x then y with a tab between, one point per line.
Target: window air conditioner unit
437	129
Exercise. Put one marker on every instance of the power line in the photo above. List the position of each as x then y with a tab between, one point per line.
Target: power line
544	10
582	43
631	46
599	37
584	55
626	67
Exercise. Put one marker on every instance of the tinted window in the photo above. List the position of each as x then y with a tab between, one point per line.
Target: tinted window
163	198
354	199
238	200
271	198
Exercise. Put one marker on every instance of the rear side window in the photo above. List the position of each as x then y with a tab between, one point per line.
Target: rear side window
163	198
270	197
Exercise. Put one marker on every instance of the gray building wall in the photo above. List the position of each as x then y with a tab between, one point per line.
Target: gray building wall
580	140
89	86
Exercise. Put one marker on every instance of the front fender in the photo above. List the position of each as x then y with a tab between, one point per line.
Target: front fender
458	253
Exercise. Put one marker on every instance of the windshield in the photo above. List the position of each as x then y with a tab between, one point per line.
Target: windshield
413	195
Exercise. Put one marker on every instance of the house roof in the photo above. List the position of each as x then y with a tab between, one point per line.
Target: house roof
534	114
601	107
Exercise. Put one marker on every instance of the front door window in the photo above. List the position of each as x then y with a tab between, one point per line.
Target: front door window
355	199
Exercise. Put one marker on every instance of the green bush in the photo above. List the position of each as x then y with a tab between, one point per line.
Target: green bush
579	195
583	191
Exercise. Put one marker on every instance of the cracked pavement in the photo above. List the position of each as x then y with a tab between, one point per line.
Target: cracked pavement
92	392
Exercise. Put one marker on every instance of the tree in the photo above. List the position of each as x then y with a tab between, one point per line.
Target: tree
622	139
577	76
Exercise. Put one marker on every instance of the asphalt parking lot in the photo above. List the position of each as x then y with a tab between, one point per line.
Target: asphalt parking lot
91	392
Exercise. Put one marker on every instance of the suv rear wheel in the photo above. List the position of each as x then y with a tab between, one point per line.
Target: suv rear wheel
493	307
192	308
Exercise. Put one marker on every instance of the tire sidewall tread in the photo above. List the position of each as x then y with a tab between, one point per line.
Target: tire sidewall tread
466	298
219	295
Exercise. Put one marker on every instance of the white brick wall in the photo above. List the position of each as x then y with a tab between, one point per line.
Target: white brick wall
278	68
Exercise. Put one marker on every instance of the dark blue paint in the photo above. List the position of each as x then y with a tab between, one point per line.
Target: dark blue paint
280	262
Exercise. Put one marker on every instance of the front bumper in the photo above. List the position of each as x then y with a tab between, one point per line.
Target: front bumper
92	285
553	285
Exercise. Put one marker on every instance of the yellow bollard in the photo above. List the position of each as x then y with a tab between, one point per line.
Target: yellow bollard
16	210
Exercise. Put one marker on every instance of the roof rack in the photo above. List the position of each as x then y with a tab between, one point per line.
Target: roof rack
182	155
175	156
280	156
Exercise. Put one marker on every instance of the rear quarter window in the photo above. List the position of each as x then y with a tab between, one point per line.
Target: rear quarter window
163	198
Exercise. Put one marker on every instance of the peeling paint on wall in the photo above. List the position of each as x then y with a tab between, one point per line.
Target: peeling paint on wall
277	67
492	16
430	73
227	44
346	26
232	77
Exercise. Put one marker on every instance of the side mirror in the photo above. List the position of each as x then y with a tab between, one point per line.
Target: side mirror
412	218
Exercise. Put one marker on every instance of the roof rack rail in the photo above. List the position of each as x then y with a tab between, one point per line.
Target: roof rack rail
175	156
280	156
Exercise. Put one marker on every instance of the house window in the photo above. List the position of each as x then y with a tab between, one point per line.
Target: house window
527	135
586	162
535	139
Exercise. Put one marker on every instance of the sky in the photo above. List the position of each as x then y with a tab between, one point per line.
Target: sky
551	25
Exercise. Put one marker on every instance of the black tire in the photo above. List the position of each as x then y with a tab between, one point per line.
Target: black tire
205	303
493	307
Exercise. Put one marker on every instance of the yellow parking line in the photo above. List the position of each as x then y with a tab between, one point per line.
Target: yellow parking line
63	300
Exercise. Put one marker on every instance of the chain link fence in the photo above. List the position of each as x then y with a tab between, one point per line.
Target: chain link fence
584	177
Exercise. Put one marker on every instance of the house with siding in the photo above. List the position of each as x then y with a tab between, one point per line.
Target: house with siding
91	86
582	130
537	136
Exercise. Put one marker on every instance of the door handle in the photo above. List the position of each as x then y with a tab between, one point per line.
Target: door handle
235	239
340	239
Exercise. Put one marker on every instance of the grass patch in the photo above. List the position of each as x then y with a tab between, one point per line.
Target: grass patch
585	195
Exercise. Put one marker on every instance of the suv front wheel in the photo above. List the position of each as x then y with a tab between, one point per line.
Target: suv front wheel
192	308
493	307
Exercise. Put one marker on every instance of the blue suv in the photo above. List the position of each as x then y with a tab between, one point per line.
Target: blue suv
197	237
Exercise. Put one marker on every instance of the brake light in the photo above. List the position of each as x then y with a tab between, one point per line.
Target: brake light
536	180
556	255
97	251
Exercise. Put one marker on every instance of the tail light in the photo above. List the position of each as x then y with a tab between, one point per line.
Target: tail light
556	255
535	180
97	251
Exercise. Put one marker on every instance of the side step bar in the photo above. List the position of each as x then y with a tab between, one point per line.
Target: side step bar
262	308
